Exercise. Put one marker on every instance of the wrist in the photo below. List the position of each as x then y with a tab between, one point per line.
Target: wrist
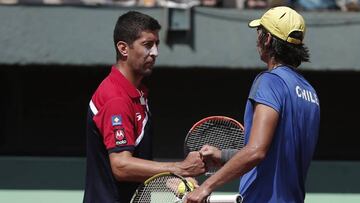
177	168
207	186
227	154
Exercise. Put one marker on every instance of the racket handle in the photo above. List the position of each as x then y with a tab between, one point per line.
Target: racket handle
209	173
237	198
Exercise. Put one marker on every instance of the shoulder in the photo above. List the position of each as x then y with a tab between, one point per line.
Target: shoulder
286	72
109	94
268	79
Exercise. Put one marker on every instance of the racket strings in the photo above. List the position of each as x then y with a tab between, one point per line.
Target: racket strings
222	134
160	189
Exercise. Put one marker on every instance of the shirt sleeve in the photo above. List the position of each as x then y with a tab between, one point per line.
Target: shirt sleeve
268	89
115	122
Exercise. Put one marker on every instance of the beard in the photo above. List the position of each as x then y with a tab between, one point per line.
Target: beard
145	70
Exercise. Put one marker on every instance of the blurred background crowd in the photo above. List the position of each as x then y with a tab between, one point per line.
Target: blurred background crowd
301	5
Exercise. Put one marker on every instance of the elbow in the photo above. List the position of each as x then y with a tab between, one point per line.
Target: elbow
257	155
120	176
120	171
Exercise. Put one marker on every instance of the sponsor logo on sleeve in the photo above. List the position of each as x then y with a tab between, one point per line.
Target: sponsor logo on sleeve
116	120
120	138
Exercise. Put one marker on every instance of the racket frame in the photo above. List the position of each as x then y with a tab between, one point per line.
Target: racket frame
186	150
152	178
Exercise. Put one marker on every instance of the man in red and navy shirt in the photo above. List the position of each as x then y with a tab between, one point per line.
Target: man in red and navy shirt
119	128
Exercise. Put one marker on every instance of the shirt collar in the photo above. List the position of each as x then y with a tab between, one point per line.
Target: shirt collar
122	81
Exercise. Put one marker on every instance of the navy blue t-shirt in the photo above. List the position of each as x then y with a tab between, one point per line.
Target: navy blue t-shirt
280	177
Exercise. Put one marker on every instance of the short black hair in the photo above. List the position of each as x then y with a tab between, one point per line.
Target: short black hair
129	27
285	52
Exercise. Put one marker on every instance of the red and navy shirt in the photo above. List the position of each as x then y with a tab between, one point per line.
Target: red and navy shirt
118	120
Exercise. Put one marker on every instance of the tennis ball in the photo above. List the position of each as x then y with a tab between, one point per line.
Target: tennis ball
182	188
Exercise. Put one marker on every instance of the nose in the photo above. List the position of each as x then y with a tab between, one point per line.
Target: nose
154	51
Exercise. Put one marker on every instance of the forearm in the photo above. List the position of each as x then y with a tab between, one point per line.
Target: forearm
125	167
138	170
264	124
240	163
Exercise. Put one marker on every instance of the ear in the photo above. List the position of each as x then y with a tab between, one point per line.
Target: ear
123	48
268	39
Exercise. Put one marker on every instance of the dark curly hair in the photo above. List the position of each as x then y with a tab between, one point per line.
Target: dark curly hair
284	52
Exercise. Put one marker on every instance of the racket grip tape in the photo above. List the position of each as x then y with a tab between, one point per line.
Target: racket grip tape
237	198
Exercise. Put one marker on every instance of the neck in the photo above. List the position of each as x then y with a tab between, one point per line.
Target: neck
128	74
272	63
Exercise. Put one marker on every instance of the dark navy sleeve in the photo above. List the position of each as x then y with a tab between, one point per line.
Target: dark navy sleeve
268	89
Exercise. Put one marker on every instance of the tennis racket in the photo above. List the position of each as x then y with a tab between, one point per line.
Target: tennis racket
219	131
171	188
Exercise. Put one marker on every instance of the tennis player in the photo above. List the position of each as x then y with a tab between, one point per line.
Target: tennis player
119	121
281	120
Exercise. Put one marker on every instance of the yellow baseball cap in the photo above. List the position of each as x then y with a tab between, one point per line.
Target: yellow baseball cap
281	22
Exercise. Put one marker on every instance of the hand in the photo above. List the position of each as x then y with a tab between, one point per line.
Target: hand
211	156
199	195
193	181
173	183
193	165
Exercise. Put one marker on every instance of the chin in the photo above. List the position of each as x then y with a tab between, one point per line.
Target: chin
147	72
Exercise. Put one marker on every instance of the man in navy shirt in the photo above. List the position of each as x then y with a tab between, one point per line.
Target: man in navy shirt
281	120
119	138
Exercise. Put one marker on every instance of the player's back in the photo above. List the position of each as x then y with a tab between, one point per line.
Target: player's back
280	177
